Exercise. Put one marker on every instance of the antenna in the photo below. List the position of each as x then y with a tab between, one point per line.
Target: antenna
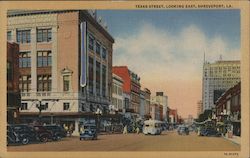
204	57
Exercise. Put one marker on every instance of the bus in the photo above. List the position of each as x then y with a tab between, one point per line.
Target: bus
153	127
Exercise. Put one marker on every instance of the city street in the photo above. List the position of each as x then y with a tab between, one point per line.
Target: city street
167	141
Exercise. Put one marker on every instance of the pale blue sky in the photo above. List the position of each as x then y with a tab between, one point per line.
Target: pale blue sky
225	23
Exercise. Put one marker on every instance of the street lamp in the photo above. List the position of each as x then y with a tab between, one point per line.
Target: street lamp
98	113
40	107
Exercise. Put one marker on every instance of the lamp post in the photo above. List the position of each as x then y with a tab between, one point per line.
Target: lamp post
98	113
40	107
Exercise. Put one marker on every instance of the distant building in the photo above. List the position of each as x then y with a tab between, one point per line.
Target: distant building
131	88
142	103
217	78
161	99
228	108
156	111
13	93
117	93
199	108
173	116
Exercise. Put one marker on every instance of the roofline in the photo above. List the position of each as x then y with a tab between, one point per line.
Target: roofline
84	12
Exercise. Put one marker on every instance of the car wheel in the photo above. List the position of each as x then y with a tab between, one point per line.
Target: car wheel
44	139
58	137
25	140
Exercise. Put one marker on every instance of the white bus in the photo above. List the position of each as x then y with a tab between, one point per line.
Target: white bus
152	127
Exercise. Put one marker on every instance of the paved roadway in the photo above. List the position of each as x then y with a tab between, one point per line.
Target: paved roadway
167	141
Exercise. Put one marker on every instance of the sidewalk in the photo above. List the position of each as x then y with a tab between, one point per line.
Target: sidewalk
235	139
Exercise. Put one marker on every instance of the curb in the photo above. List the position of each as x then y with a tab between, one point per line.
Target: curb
231	141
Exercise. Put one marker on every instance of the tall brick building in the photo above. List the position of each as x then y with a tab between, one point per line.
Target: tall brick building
131	87
13	94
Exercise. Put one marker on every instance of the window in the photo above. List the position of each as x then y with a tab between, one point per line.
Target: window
25	83
103	80
44	35
43	58
91	75
104	53
66	83
24	60
9	71
23	36
9	36
91	42
65	106
44	106
98	48
98	79
24	106
44	83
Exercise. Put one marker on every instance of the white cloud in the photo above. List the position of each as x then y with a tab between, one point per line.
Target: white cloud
180	56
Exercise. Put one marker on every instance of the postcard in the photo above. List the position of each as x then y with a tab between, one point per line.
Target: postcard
125	79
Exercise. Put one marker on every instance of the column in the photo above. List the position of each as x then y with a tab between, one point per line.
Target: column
54	60
33	61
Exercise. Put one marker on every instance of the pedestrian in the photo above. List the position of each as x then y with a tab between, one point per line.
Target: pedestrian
137	130
125	130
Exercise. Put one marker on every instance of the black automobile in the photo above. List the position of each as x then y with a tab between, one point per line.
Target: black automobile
88	131
183	130
57	131
42	133
210	132
20	134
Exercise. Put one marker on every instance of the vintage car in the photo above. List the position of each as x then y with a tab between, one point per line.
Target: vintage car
20	134
88	131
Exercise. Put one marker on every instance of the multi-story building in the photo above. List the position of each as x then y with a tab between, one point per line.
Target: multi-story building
162	99
65	63
147	96
217	78
156	111
145	103
199	108
117	93
13	93
142	103
131	88
228	108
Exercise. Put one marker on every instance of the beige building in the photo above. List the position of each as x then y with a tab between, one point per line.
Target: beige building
161	99
50	64
117	93
217	78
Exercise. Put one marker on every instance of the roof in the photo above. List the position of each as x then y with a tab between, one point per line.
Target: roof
13	13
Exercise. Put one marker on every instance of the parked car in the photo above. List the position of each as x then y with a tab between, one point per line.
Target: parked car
57	131
20	134
209	132
183	130
42	133
88	131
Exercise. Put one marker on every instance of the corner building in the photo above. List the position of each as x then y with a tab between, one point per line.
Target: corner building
50	65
